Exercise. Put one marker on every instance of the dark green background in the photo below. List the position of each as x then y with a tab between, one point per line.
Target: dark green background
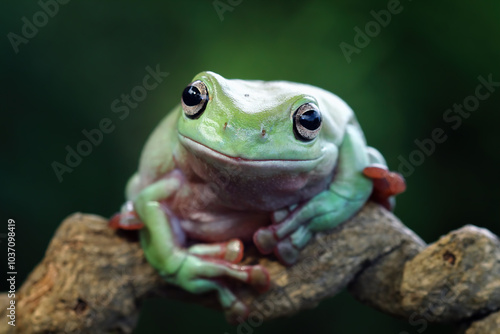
65	78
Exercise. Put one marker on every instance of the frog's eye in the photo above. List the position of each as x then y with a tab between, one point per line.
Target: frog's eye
306	122
194	99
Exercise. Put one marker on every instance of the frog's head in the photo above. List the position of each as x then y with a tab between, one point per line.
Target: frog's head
280	135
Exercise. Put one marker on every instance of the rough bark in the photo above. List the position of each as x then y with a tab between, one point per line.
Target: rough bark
490	324
92	279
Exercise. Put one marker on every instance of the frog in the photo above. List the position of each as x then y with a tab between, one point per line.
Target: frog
248	162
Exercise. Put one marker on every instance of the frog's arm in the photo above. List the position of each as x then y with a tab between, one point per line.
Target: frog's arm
347	193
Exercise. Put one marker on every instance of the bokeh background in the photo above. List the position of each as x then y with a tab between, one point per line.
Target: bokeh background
64	79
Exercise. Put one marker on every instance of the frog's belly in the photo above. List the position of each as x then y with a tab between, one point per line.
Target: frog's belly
213	227
202	215
252	185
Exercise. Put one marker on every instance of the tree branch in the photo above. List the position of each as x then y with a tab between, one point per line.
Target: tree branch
92	278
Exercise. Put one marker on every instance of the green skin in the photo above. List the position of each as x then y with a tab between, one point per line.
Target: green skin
238	173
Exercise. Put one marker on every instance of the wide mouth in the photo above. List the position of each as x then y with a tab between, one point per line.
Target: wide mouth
200	149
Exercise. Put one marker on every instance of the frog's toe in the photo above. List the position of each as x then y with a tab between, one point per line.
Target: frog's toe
259	278
237	311
386	184
233	252
280	215
265	239
286	252
125	221
230	251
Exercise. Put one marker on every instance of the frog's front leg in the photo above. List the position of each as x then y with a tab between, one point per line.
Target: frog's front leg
199	268
347	193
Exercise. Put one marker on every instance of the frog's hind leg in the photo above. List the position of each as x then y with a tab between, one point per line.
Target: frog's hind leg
386	184
127	219
133	187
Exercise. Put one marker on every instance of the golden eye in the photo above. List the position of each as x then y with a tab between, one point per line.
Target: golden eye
306	122
194	99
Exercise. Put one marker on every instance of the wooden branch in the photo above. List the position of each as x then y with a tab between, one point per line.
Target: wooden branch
92	278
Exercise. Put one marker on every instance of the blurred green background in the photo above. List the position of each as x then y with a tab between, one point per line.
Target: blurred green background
64	79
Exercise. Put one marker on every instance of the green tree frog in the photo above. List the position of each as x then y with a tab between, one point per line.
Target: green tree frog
241	161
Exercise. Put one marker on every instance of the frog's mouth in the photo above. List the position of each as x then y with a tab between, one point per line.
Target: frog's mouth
207	153
253	184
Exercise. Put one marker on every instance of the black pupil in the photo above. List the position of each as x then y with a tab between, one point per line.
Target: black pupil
191	96
311	119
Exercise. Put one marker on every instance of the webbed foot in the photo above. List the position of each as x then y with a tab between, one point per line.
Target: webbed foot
200	274
386	184
127	219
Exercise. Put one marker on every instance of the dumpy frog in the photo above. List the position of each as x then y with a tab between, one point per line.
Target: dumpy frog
244	161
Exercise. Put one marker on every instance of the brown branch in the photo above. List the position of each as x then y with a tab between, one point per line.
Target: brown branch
92	278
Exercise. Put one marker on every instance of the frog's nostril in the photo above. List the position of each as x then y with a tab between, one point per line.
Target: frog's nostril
263	132
225	126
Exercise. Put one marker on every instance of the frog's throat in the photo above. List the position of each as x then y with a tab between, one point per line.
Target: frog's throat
198	148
